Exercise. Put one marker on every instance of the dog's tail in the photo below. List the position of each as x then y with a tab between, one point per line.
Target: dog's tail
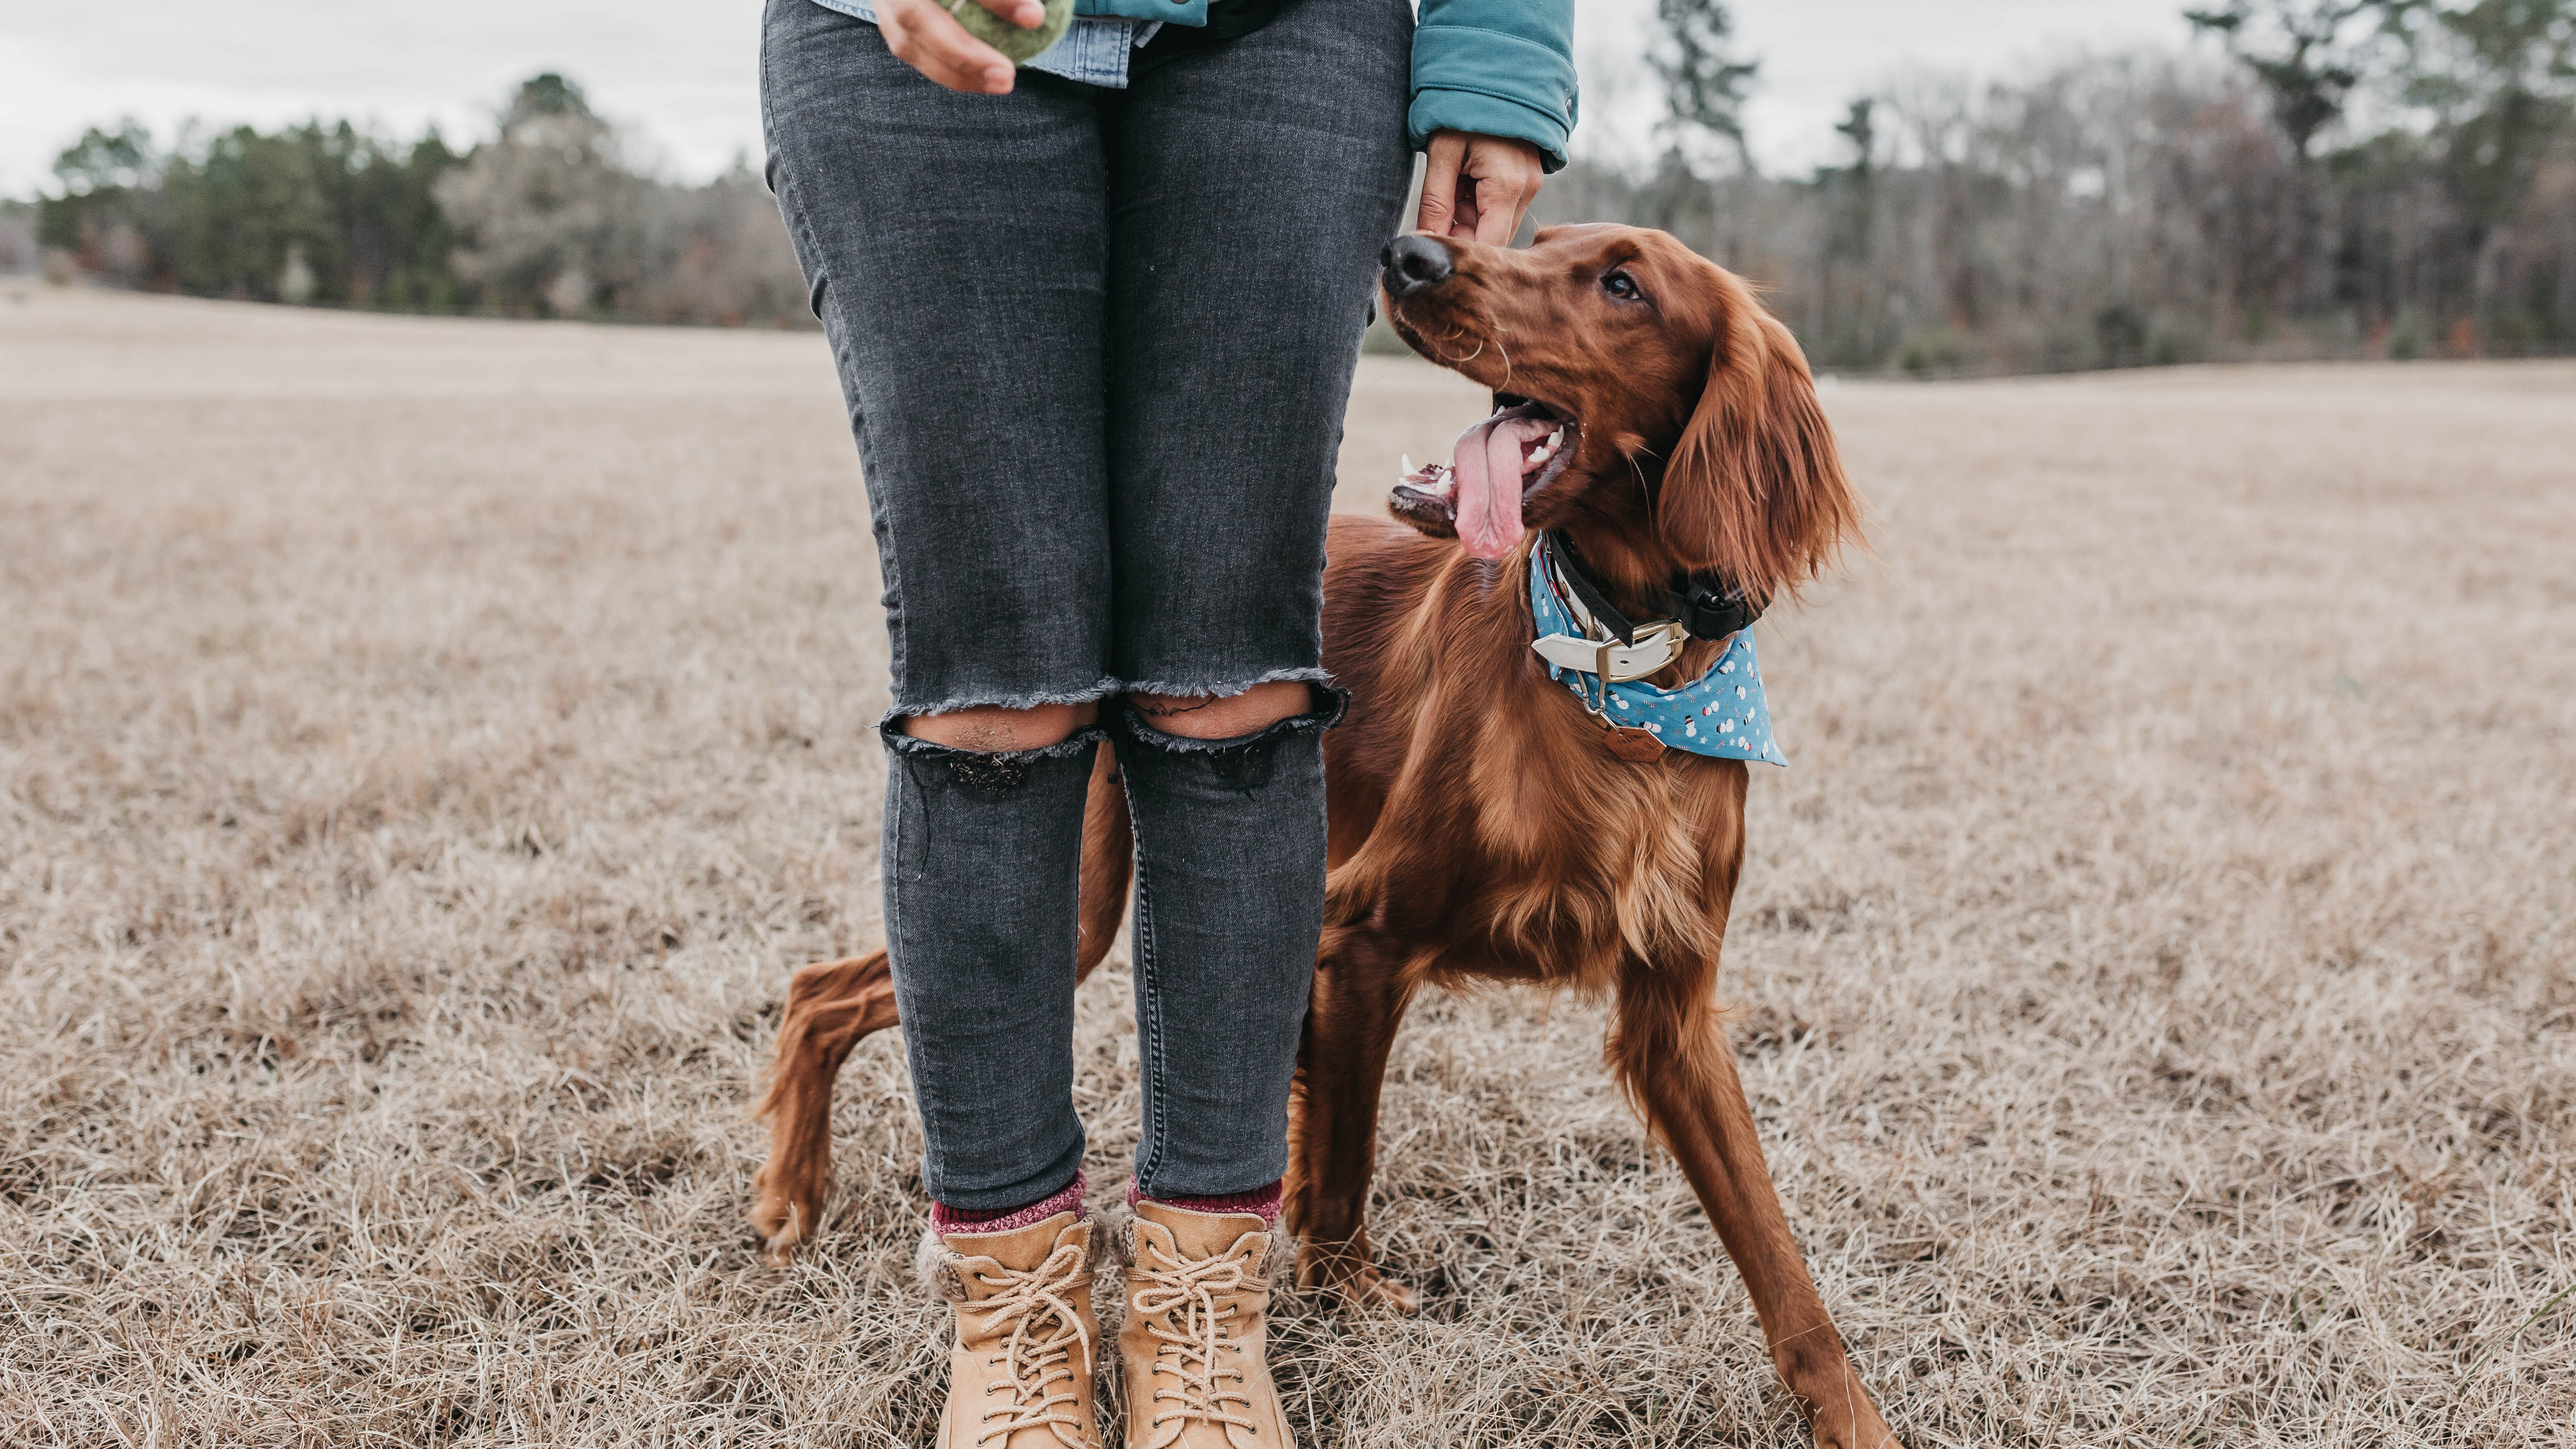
1108	862
832	1006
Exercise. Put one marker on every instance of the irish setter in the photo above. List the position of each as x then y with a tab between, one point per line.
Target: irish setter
1483	826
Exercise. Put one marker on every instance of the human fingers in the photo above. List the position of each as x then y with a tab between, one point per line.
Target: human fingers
930	40
1026	14
1498	210
1440	163
1469	209
1508	175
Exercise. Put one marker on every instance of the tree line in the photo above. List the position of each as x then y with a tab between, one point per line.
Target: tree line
547	218
2330	178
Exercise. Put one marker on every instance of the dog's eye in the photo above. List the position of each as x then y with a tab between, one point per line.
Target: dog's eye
1621	286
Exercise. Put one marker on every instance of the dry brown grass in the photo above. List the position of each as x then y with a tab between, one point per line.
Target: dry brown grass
425	747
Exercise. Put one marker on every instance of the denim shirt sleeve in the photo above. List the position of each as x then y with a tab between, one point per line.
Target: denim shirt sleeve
1495	68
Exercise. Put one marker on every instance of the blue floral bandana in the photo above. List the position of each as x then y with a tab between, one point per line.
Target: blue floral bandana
1722	716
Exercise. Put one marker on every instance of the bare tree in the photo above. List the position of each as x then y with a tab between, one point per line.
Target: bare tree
1704	82
2307	53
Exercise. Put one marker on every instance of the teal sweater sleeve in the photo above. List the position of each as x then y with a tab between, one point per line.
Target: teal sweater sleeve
1497	68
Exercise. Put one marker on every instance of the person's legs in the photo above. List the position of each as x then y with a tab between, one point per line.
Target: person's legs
1252	184
955	248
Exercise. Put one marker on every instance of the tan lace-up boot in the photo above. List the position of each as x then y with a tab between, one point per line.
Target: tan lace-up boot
1021	1374
1194	1340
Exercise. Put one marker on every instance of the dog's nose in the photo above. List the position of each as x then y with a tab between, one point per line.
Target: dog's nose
1412	263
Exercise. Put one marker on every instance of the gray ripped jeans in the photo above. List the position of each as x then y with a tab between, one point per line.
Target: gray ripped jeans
1096	345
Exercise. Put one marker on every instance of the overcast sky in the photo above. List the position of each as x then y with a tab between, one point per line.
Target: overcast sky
683	72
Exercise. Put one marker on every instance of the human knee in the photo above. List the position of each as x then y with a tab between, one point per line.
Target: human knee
1225	717
997	729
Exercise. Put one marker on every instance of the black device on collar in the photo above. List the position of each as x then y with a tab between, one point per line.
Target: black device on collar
1705	605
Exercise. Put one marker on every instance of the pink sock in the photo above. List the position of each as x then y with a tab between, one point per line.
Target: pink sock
945	1219
1261	1202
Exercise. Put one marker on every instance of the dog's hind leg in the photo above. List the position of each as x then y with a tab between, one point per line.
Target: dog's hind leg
1673	1060
835	1005
831	1008
1361	991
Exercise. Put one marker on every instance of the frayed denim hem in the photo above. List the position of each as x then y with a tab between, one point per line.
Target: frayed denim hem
1090	693
1309	674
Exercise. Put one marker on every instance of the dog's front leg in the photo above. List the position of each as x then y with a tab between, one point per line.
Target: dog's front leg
1359	1000
1674	1061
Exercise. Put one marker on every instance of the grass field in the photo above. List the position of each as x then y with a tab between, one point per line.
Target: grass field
426	747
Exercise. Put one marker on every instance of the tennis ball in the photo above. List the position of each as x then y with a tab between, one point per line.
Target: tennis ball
1021	46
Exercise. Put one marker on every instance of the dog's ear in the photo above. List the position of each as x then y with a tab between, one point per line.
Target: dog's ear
1755	489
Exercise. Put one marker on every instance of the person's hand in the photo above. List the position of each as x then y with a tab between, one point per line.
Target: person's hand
1476	187
923	35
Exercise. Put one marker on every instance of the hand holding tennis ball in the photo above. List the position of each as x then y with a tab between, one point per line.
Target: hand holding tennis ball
971	45
1001	25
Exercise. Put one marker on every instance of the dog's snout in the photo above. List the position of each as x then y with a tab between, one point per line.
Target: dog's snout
1412	263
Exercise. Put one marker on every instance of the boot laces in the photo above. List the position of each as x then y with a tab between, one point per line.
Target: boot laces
1191	1310
1038	1354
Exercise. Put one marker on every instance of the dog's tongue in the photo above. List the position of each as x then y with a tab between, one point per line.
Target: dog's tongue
1487	465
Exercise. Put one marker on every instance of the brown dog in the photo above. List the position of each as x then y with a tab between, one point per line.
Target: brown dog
1483	824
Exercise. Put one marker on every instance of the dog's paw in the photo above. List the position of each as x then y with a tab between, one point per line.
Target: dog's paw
1355	1279
1373	1289
783	1214
1852	1423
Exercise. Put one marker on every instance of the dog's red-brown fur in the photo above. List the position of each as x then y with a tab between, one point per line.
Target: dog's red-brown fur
1480	828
